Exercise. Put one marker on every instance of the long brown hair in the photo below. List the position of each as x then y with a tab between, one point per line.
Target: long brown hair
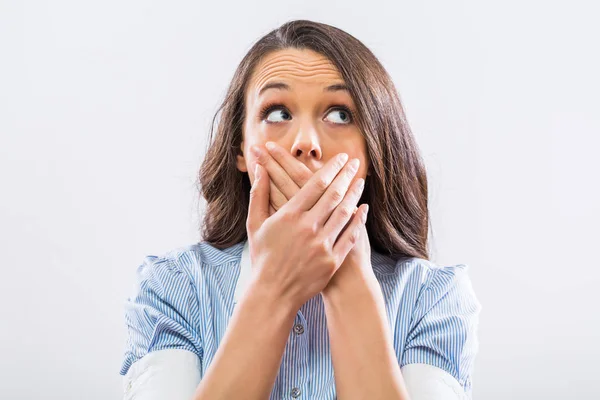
396	189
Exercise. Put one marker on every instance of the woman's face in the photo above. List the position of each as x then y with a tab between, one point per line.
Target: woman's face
297	99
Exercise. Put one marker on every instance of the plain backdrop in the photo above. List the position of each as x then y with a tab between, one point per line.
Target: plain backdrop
105	109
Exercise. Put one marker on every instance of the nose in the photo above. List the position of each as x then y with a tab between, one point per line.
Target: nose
306	147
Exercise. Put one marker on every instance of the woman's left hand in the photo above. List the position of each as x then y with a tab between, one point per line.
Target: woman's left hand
288	176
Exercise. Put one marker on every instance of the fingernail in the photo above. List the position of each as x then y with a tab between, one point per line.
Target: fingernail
343	157
256	150
361	184
364	216
270	146
354	164
256	172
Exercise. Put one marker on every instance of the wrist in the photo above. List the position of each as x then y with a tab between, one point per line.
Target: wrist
348	281
356	289
271	301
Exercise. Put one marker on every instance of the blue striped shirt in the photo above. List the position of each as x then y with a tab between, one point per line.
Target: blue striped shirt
184	299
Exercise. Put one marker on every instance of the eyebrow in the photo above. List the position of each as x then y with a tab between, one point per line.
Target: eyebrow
284	86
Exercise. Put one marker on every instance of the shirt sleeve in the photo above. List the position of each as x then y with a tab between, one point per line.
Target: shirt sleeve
426	382
443	331
162	312
172	374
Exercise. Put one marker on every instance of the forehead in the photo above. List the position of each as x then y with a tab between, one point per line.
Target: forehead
294	66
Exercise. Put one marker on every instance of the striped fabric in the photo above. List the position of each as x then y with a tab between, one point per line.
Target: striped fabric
184	299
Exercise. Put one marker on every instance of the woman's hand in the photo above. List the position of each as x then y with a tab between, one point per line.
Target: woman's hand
298	249
288	176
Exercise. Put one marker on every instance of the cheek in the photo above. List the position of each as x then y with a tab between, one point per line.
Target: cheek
248	154
355	145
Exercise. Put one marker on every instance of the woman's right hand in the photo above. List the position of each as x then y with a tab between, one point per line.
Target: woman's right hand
296	251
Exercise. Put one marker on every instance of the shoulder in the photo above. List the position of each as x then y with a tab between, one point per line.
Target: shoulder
414	268
427	280
439	293
187	260
449	289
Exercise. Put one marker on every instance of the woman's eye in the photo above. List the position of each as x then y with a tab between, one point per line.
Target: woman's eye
343	116
275	115
337	116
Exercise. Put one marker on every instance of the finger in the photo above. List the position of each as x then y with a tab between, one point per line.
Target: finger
348	223
277	198
295	169
308	196
258	208
335	193
278	175
348	239
341	217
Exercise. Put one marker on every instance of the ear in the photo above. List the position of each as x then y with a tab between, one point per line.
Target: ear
241	160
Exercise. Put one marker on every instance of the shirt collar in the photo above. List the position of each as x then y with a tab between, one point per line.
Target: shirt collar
245	272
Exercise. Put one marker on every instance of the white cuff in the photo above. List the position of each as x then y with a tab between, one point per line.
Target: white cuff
427	382
163	374
175	374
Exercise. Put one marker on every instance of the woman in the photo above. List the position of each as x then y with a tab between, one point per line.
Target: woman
291	281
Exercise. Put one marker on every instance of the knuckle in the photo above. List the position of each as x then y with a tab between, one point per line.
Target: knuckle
307	228
350	172
331	264
321	183
345	211
253	192
285	186
277	198
337	194
249	225
314	227
304	176
323	247
290	216
326	243
354	236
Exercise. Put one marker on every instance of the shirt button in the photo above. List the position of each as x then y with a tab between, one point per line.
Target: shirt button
299	329
295	392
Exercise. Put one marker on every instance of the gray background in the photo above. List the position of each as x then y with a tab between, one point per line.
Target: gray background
104	114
